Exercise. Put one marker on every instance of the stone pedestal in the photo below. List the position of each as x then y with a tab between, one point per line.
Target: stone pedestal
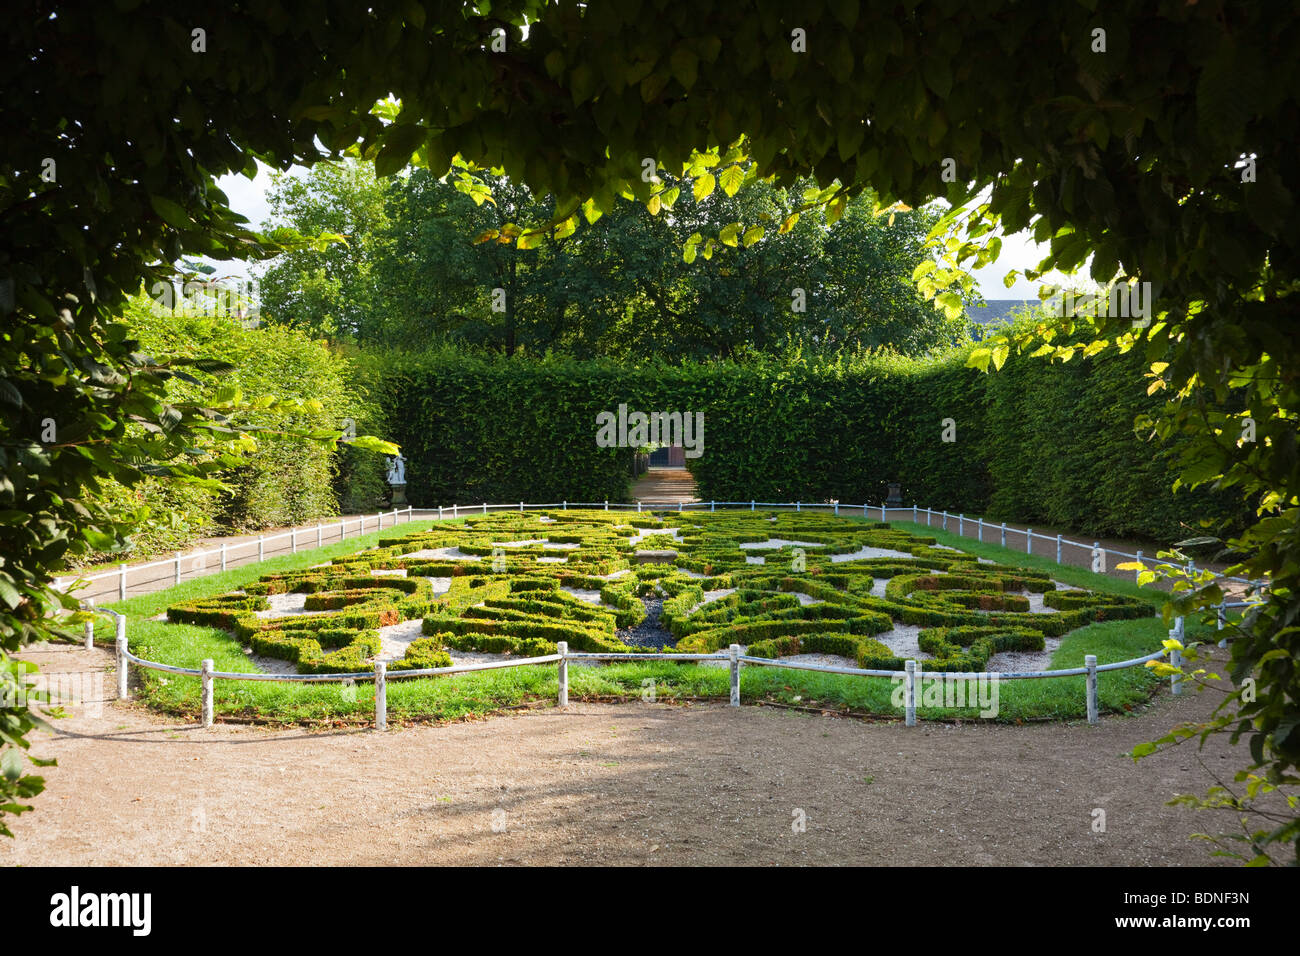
399	495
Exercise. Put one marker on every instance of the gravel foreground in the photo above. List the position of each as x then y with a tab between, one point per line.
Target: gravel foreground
612	784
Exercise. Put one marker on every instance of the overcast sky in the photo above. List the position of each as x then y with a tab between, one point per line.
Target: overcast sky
248	197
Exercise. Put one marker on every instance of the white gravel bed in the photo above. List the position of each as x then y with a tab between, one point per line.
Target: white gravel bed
861	553
441	554
780	543
394	638
591	597
289	605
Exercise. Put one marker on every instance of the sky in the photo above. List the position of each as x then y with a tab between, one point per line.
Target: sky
1020	252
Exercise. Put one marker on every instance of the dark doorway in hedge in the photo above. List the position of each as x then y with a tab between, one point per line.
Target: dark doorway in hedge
668	456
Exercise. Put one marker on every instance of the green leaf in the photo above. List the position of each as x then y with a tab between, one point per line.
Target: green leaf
731	179
703	186
171	212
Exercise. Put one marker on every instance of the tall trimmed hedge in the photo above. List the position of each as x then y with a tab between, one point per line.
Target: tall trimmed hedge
1047	444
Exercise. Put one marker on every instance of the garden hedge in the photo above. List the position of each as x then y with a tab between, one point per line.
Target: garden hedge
1048	445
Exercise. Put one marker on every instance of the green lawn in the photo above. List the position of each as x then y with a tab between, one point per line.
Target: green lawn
458	696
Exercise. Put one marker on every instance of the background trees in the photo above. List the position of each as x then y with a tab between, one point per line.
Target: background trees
421	260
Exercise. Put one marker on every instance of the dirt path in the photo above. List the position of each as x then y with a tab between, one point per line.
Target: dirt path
629	784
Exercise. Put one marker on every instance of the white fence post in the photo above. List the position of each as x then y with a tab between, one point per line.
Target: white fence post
606	504
485	507
439	512
381	695
90	625
1058	549
945	521
178	567
1029	541
206	678
979	527
961	524
521	507
123	690
293	537
121	582
562	648
223	556
1175	660
882	511
751	505
1090	661
909	693
1138	573
261	546
320	533
798	506
410	515
734	654
914	513
564	505
1004	534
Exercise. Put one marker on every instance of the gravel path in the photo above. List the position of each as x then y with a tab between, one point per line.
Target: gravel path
632	784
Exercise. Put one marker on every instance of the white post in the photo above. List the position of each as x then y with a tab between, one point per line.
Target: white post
606	504
751	505
837	509
206	678
121	582
320	533
565	504
1090	661
913	512
90	626
882	511
178	567
261	546
798	506
1004	534
713	506
734	654
1058	549
679	507
410	516
1138	573
439	512
1176	660
562	648
928	512
961	524
980	528
521	507
485	507
909	693
293	538
223	556
381	695
1029	541
638	506
123	691
1222	616
945	521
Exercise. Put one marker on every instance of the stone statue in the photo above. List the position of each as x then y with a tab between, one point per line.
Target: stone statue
397	470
